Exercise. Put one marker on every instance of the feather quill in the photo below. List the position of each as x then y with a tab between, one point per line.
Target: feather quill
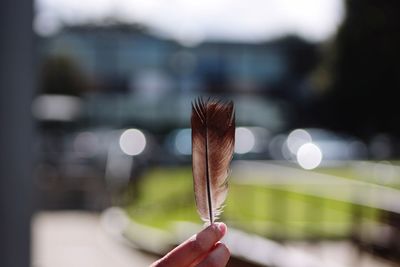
213	139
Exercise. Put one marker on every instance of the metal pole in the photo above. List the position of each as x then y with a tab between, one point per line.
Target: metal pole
16	90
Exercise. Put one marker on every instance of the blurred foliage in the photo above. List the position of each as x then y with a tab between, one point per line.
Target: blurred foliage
365	71
166	195
62	75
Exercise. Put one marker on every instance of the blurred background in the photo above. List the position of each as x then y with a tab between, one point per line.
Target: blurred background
95	134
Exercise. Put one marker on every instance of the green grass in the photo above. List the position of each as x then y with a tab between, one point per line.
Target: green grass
166	195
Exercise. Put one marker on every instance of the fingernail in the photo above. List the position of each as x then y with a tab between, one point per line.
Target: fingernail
221	227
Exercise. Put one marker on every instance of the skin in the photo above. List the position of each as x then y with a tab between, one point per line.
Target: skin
200	250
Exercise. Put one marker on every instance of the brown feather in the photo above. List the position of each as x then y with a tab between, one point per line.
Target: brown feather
213	139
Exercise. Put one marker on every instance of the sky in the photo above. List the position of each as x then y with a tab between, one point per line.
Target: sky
193	21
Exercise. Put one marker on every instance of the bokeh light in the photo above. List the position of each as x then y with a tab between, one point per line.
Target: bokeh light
309	156
132	142
245	140
86	144
183	142
296	139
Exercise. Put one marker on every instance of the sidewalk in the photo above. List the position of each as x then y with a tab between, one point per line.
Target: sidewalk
76	239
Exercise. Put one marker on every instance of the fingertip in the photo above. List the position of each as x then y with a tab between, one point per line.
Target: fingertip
223	247
222	228
215	231
219	256
222	252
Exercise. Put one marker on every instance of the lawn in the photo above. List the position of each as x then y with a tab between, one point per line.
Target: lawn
166	195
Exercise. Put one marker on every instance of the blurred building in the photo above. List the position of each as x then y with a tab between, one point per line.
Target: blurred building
129	61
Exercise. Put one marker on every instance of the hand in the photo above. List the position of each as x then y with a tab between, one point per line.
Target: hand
201	250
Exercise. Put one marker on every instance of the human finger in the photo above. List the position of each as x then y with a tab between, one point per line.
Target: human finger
193	248
217	258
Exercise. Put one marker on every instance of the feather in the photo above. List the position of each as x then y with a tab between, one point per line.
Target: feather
213	139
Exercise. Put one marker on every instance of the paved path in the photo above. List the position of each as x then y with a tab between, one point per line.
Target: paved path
77	239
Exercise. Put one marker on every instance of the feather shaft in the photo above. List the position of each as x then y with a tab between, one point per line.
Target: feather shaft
208	180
